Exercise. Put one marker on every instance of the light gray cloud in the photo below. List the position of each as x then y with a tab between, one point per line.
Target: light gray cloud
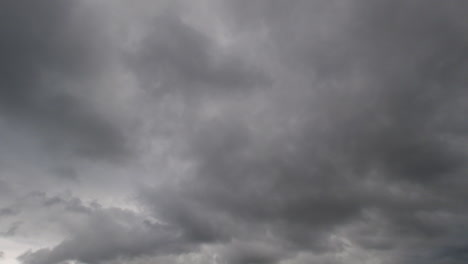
176	57
109	234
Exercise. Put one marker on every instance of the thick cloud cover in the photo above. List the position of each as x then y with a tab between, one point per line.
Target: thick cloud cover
50	53
234	132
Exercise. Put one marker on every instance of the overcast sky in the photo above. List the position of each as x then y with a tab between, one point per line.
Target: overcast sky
233	132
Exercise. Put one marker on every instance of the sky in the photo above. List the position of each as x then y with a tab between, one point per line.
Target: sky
233	132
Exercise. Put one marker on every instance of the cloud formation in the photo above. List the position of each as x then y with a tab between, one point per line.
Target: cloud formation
51	54
253	132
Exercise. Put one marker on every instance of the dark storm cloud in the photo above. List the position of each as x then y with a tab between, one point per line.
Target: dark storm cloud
358	142
413	55
378	114
50	53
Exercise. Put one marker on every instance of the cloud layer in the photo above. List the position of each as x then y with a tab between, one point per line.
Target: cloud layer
233	132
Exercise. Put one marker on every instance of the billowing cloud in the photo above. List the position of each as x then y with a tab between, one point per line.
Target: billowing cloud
254	131
108	234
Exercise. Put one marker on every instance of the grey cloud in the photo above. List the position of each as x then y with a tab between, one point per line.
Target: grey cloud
12	229
8	211
374	117
51	51
245	252
176	57
110	233
354	149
